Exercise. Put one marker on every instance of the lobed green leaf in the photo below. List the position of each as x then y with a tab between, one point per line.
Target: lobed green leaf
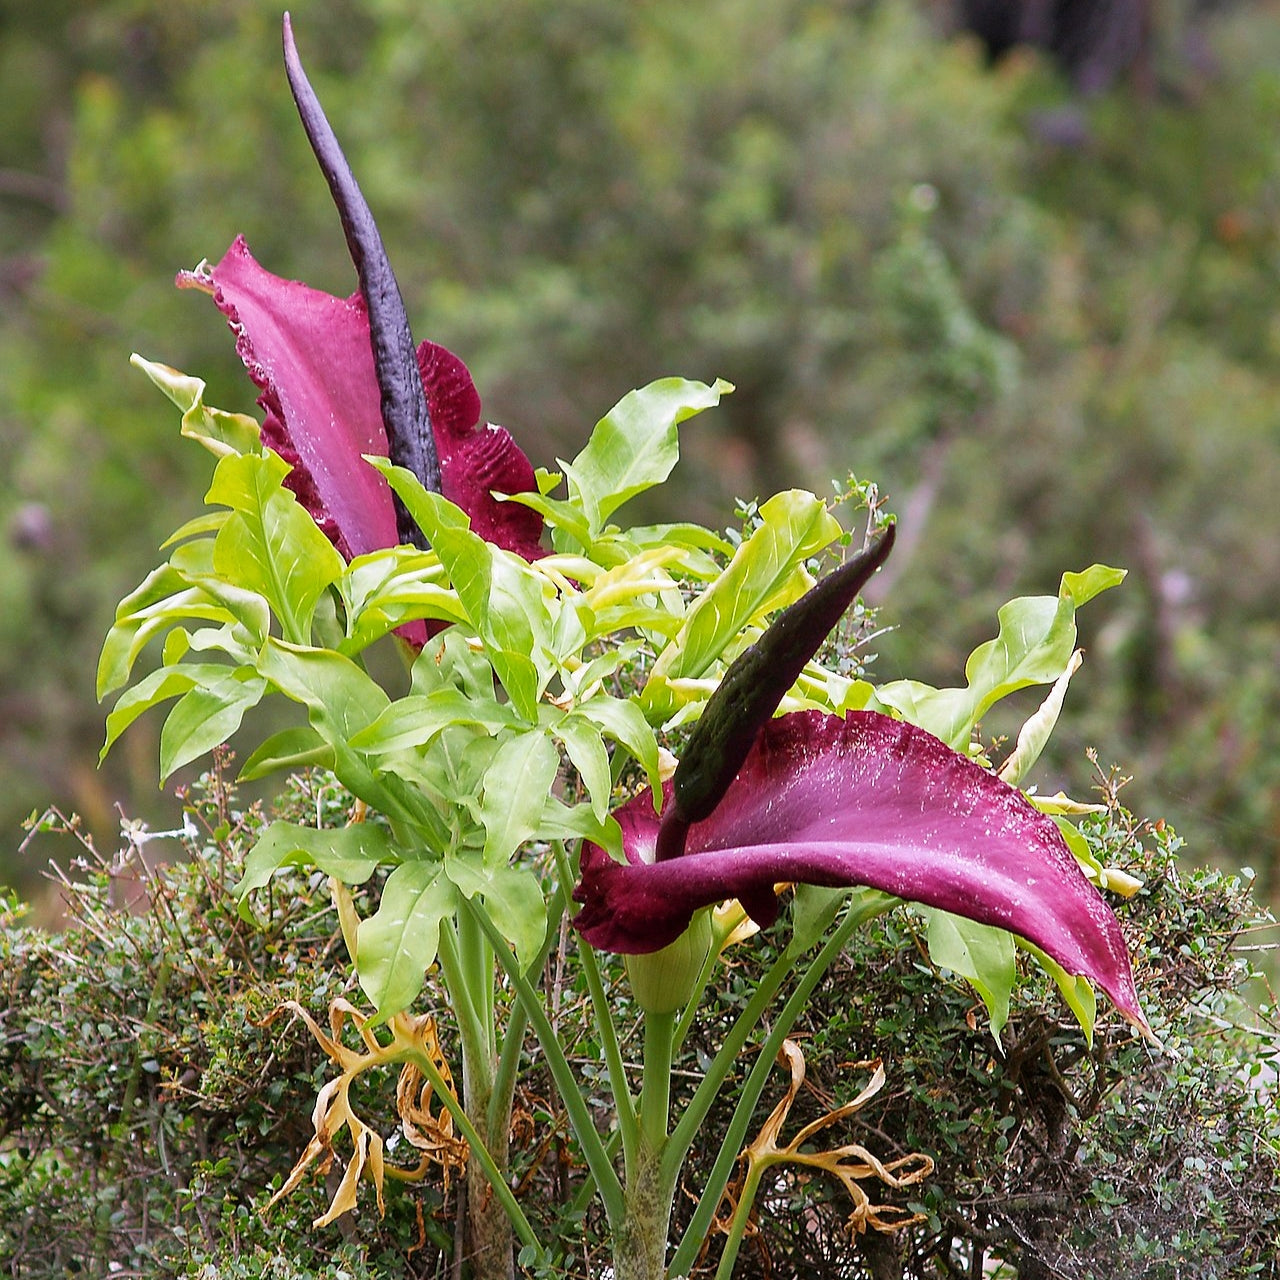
220	432
517	781
981	954
352	853
767	572
399	941
270	545
1036	638
511	607
208	715
634	446
512	896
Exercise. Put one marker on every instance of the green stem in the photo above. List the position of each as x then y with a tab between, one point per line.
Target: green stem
622	1100
727	1058
588	1188
741	1217
467	963
640	1240
655	1092
477	961
474	1037
593	1148
504	1080
699	990
479	1149
870	906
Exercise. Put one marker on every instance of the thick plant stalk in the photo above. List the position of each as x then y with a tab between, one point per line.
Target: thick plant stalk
489	1235
640	1243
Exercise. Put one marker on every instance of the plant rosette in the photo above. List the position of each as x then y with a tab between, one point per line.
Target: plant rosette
554	654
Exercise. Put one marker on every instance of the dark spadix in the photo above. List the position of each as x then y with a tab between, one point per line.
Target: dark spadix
340	380
839	801
753	687
405	415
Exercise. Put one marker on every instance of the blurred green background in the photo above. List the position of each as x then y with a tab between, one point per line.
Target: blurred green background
1048	325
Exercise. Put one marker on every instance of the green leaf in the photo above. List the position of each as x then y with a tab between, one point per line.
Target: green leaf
1083	586
340	697
700	545
511	895
517	782
511	607
208	523
814	908
635	445
341	700
1081	850
584	682
386	588
399	941
560	516
163	599
1076	991
585	748
177	644
1035	732
414	720
1034	645
207	716
448	661
170	681
767	572
221	433
298	748
270	545
577	822
351	853
244	608
979	953
624	722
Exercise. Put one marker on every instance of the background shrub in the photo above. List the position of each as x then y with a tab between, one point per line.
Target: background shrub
147	1108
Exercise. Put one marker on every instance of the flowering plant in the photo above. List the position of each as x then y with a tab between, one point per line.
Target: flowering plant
554	656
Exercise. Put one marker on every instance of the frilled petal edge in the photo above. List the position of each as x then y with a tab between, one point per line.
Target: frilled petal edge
309	354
